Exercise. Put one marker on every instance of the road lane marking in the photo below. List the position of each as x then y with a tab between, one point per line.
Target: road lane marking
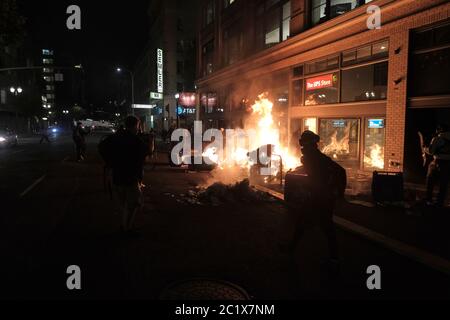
23	194
430	260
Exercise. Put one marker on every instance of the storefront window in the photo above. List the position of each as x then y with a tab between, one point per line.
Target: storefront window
209	102
322	90
297	93
365	83
375	138
310	124
340	139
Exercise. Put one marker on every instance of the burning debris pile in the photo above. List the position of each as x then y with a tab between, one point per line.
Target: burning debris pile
219	194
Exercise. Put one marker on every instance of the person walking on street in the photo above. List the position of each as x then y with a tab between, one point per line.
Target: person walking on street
79	137
326	185
125	154
439	169
44	136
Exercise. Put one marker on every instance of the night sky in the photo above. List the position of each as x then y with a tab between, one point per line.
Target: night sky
113	33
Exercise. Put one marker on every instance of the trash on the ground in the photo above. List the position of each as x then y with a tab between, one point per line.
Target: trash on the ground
218	194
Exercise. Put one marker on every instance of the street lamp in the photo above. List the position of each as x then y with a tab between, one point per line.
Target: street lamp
119	70
16	91
177	98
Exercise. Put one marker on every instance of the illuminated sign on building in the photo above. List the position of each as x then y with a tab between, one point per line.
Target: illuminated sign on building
156	96
143	106
376	123
321	82
188	99
185	111
160	70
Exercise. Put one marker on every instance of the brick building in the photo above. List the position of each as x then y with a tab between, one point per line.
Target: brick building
365	91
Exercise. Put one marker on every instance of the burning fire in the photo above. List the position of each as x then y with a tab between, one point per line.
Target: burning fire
337	147
376	158
261	124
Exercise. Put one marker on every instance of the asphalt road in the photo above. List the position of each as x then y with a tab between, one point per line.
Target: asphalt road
67	218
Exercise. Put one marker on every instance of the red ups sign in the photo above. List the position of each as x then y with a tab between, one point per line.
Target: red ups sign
321	82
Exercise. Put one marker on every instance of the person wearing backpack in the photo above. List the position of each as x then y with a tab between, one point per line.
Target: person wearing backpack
439	169
124	154
326	185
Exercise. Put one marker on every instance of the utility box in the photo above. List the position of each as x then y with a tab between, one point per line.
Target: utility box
387	187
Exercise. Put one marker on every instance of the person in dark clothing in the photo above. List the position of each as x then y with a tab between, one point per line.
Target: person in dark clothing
79	138
44	136
439	169
125	153
326	184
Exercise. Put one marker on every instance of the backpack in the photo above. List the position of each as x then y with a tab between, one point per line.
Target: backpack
338	179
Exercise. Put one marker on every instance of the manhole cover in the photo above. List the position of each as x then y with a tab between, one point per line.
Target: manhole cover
204	289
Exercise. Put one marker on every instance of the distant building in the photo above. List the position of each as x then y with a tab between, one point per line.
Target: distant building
48	76
366	92
166	67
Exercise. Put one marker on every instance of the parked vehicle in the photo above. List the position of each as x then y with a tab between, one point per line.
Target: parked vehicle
8	138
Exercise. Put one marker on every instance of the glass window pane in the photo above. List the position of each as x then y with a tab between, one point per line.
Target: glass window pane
348	57
298	72
297	92
365	83
322	90
364	53
374	144
273	25
287	10
429	73
380	49
340	139
310	124
286	29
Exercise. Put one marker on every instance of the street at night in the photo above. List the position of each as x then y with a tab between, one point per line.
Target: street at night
68	219
211	156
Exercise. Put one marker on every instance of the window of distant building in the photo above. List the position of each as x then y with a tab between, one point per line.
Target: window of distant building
47	61
47	52
324	10
208	58
232	44
208	17
430	61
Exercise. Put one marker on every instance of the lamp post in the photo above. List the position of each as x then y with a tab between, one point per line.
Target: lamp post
16	91
119	70
177	98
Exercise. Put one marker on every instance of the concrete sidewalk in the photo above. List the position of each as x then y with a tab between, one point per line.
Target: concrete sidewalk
414	230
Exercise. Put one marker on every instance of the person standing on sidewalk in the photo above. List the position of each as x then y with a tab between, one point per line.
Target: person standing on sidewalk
326	185
125	153
79	138
439	169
